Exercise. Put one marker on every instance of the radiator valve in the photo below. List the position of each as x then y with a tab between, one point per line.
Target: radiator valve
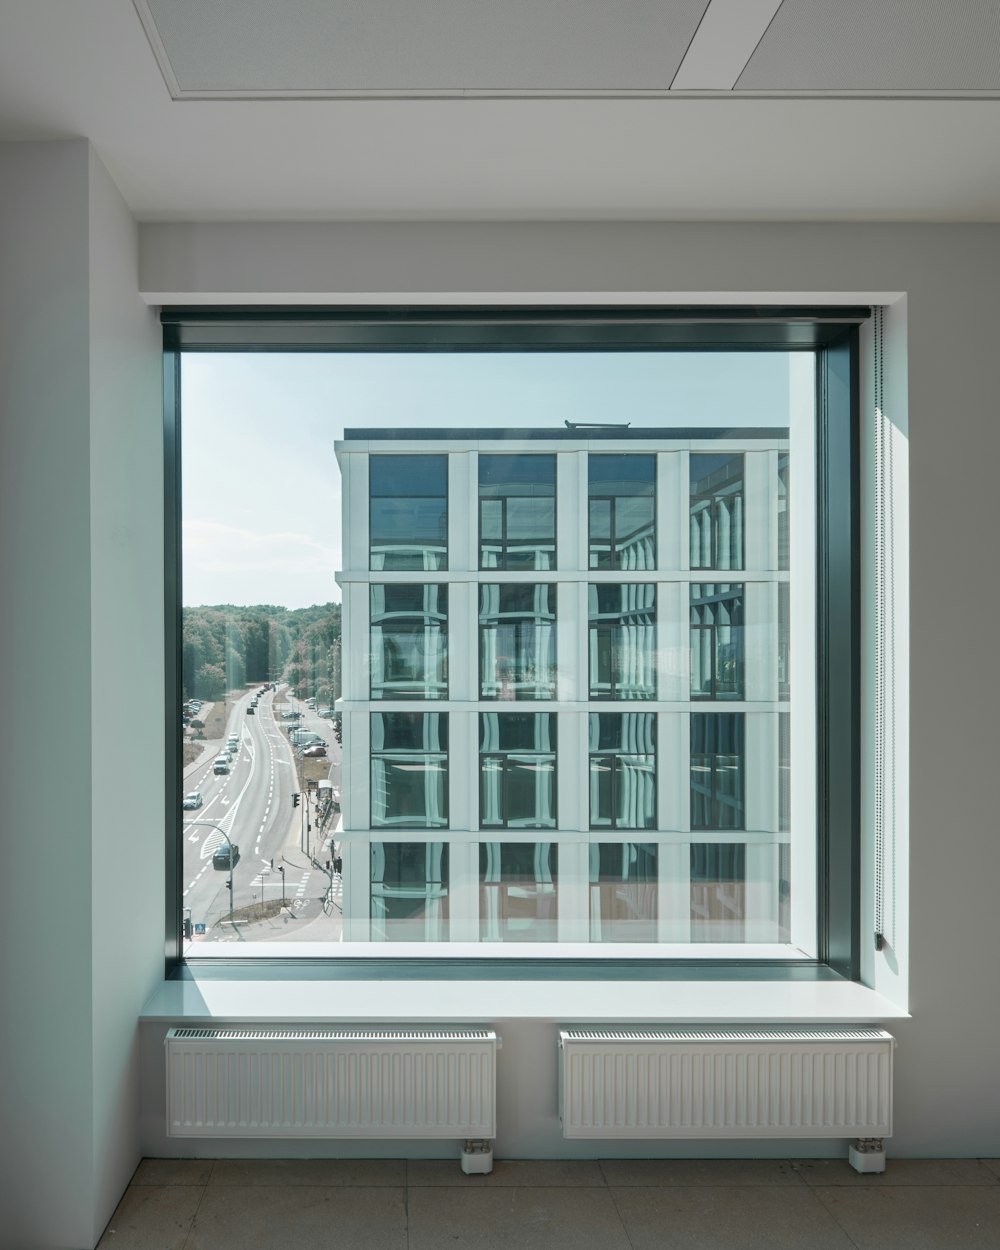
867	1154
477	1157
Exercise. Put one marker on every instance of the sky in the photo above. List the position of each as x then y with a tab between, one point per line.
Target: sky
261	486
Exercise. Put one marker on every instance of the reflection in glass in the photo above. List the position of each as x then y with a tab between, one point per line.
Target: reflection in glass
517	641
784	503
622	490
409	642
409	891
622	770
517	770
408	521
518	892
623	892
409	770
622	640
716	642
784	634
717	766
716	512
517	512
718	891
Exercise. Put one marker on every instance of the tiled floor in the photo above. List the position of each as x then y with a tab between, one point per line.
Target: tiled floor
232	1204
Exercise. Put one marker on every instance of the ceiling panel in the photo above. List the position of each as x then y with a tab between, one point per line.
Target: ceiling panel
947	46
240	48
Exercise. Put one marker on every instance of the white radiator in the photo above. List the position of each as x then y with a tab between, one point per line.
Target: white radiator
331	1083
688	1083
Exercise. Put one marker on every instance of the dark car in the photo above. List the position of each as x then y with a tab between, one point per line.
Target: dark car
317	751
220	858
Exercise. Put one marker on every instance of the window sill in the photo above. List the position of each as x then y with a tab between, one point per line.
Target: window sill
383	1001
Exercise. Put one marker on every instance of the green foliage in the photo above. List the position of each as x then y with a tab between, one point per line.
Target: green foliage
226	648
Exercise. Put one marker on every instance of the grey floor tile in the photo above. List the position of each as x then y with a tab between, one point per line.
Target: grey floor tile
152	1217
820	1173
173	1172
364	1172
299	1217
514	1218
700	1172
993	1165
746	1217
541	1173
941	1217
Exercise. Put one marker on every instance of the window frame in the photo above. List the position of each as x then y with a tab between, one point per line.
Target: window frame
830	332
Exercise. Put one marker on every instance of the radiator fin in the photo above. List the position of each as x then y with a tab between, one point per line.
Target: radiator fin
331	1083
714	1083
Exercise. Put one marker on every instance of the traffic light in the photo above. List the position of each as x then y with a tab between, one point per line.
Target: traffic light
295	799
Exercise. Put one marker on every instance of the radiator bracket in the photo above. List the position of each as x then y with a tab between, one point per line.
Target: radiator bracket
867	1154
477	1156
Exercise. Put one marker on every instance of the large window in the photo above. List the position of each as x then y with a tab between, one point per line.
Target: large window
575	579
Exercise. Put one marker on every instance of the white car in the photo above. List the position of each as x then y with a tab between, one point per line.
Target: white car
193	801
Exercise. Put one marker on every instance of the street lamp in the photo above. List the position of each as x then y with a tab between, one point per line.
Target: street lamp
281	869
189	824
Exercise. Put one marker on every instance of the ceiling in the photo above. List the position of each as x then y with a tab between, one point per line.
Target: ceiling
795	110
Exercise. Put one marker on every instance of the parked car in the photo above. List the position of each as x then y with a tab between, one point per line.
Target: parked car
325	712
221	764
291	716
221	856
316	751
193	801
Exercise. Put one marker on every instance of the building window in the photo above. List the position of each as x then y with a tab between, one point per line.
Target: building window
717	770
622	492
408	513
409	891
409	770
718	892
517	770
409	641
716	512
517	512
622	770
518	892
622	653
623	891
784	505
517	641
716	641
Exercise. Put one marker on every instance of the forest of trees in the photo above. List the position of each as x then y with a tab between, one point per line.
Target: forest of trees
226	648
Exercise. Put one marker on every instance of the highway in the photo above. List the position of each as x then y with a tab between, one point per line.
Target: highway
252	805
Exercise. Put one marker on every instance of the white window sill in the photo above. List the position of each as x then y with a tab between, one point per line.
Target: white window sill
443	1002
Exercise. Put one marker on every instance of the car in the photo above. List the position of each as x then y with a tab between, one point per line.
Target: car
251	710
222	853
192	801
221	765
316	751
325	712
311	703
233	738
291	716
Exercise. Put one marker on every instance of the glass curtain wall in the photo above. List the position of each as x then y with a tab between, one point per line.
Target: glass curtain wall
622	770
517	641
518	891
717	654
409	642
517	512
409	891
716	512
622	632
408	512
622	490
409	770
517	770
623	891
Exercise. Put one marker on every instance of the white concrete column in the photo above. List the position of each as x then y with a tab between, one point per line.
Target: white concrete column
761	893
571	511
571	641
572	771
463	891
356	511
672	650
760	517
463	770
673	771
760	632
463	642
355	800
761	771
672	511
356	643
463	511
357	889
574	892
673	894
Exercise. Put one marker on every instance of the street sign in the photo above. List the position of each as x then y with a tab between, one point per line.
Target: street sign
199	928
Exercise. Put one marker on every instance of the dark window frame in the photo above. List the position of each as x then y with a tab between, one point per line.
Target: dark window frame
503	500
712	629
525	618
831	332
603	627
410	617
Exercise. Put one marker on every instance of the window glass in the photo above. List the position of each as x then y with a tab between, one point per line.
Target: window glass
517	512
622	512
717	656
716	512
517	641
409	770
517	770
717	770
623	891
622	770
409	641
622	631
518	886
409	891
408	512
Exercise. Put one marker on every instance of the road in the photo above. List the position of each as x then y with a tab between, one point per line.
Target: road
252	805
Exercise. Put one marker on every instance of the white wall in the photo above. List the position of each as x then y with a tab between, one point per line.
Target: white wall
81	640
948	1097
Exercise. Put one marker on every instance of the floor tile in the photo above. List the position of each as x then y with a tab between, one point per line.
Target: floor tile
700	1172
540	1173
820	1173
941	1217
364	1172
173	1172
514	1218
993	1165
746	1217
152	1217
299	1217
